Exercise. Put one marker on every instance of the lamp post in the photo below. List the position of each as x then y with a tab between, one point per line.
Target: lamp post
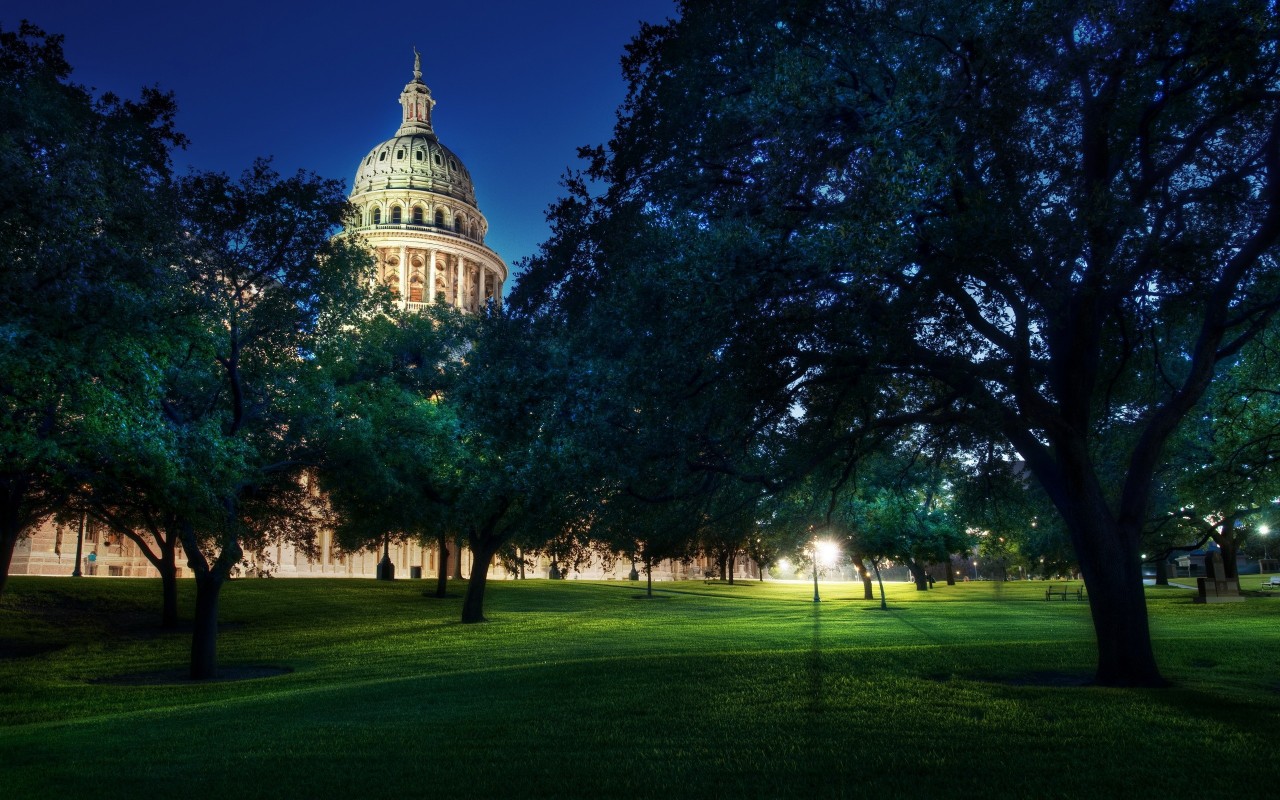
1263	531
386	569
975	570
816	599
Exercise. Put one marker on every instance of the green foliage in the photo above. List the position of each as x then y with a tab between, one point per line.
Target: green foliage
1222	479
86	243
394	452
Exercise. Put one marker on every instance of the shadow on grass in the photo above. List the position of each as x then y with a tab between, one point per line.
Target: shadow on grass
180	676
20	648
1045	678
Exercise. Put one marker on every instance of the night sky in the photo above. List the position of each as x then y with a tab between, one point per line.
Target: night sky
518	85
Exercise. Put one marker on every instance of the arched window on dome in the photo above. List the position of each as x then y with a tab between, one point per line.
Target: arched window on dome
415	288
457	224
399	155
395	215
439	218
417	215
436	158
417	155
393	283
382	156
376	216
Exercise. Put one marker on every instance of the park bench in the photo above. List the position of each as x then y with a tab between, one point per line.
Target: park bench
1064	592
1274	583
710	576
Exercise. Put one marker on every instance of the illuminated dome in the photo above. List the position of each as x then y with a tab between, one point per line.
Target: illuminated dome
418	212
415	161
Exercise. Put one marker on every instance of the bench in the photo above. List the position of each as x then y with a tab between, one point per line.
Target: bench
1274	583
1064	592
710	576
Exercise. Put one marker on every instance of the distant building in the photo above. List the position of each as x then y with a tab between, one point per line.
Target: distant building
418	213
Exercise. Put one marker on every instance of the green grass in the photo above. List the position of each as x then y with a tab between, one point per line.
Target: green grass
581	689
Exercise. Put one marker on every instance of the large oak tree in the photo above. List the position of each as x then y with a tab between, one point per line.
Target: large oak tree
1048	221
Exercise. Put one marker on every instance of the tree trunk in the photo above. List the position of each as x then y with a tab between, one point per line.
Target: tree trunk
1112	570
1106	544
209	580
917	573
1162	572
951	572
169	590
12	525
648	576
457	562
473	602
442	571
204	637
884	605
732	560
167	566
1230	545
8	543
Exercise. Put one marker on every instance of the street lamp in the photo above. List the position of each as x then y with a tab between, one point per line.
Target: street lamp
386	569
1263	531
975	570
827	553
816	599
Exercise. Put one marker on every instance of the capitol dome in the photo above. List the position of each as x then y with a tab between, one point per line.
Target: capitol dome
418	212
415	161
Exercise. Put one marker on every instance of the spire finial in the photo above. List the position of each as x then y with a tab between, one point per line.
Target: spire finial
417	65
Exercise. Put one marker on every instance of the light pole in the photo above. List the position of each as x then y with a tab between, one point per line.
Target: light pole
1263	531
386	569
975	570
816	599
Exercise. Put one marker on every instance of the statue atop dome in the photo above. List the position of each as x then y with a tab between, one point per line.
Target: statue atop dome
417	65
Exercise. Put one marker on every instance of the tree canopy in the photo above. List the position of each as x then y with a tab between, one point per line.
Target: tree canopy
1048	222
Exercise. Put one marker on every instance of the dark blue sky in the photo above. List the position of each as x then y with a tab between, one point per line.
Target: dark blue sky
518	85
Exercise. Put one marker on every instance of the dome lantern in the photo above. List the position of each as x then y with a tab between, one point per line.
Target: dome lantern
417	102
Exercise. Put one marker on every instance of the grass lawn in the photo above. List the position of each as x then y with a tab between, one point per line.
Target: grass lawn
584	689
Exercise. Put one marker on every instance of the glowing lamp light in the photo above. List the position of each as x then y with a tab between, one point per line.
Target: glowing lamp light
828	552
784	565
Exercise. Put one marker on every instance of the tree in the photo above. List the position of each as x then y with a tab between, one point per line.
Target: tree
516	398
84	244
391	463
1049	221
271	284
1222	477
